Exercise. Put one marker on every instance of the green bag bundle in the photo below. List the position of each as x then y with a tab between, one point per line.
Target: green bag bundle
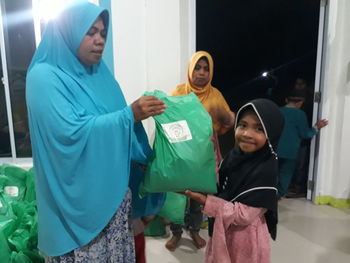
174	208
18	216
183	152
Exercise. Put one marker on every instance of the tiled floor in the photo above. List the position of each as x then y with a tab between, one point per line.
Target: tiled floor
306	234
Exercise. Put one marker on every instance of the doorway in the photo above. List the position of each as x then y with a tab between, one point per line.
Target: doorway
260	49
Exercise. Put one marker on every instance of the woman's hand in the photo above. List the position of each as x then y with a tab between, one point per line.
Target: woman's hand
200	198
147	106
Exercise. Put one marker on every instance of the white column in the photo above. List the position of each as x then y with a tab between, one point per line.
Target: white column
333	179
152	45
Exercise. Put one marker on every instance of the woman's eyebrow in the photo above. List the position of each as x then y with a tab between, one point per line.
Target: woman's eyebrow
96	28
92	29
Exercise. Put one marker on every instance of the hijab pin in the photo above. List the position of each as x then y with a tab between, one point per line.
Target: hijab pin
272	151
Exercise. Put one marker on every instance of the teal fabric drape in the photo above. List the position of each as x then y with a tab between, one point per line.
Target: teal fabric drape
82	133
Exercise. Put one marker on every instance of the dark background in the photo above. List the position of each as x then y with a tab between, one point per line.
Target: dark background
248	37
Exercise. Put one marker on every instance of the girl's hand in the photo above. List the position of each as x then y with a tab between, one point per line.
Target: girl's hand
200	198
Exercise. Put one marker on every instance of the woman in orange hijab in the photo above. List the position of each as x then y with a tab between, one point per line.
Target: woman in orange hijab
199	77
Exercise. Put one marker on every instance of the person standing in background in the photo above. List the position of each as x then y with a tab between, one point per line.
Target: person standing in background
295	129
199	77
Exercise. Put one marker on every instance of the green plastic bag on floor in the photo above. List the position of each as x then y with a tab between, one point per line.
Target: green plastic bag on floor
18	216
30	184
22	237
13	182
4	206
5	251
34	256
19	257
174	208
183	152
156	228
8	224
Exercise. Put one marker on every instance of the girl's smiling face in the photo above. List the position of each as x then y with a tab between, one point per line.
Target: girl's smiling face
249	134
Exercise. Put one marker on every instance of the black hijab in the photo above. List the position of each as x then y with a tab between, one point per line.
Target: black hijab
251	178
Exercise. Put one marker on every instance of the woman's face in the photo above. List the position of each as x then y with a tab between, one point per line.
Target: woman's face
93	44
249	134
201	74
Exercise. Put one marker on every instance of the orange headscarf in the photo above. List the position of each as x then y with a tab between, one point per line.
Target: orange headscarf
210	97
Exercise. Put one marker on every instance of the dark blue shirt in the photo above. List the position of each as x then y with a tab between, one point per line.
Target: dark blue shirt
295	129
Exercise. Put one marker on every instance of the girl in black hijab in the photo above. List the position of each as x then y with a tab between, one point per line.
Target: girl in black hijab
245	207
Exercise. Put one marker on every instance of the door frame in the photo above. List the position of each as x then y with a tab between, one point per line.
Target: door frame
319	80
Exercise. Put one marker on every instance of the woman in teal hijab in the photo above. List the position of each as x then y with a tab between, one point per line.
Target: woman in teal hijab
84	137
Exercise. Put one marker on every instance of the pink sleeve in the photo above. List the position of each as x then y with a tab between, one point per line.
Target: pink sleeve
232	213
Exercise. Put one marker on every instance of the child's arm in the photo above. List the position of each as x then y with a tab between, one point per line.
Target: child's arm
303	127
231	213
320	124
200	198
225	117
237	214
222	113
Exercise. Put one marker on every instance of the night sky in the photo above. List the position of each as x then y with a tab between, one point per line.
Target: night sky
247	37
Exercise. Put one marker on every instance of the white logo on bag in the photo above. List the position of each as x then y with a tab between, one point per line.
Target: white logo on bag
1	206
11	190
177	131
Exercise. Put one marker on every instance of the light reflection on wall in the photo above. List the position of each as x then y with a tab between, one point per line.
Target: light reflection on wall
44	10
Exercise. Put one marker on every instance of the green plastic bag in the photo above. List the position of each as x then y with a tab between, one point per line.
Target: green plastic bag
19	257
8	224
34	256
13	182
174	208
30	193
4	249
26	221
4	206
183	152
155	228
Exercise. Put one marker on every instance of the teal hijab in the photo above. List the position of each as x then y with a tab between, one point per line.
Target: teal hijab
82	132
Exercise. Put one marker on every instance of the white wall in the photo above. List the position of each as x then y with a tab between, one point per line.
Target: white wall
334	155
153	41
151	44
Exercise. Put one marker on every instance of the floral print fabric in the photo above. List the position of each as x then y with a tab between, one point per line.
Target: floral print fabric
114	244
